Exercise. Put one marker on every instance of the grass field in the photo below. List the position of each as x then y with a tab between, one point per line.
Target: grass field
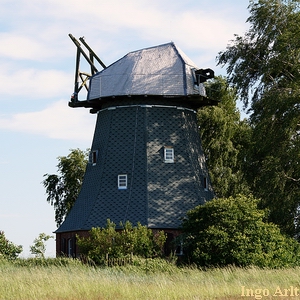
150	280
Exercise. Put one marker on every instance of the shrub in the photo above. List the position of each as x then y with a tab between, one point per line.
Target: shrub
233	231
138	240
8	250
153	265
39	247
46	262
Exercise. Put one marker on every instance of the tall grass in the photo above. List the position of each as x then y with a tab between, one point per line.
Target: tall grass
68	279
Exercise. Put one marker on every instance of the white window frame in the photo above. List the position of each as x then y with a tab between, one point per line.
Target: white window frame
169	154
122	181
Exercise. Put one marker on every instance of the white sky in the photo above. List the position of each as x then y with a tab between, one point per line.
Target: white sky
37	60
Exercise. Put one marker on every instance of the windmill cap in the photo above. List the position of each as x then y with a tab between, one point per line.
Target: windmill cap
161	70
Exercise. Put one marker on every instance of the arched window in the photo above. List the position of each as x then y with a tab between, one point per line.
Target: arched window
71	247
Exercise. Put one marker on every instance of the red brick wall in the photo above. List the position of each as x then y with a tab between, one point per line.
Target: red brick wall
62	247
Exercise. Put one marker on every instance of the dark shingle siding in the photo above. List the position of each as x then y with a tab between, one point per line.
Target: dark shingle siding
173	188
131	140
126	154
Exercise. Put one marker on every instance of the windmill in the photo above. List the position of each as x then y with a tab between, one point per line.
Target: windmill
146	163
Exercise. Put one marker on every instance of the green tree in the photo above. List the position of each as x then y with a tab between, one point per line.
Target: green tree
268	55
233	231
64	188
225	140
263	65
39	248
8	249
275	169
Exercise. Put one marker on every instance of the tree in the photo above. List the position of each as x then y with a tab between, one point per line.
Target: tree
267	56
225	140
39	248
264	68
63	189
233	231
8	249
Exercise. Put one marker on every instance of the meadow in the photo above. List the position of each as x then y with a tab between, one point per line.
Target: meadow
148	279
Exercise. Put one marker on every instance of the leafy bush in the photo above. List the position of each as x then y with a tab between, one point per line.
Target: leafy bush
47	262
152	265
138	240
39	247
8	249
233	231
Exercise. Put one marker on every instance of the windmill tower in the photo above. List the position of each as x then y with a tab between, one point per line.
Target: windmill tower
146	162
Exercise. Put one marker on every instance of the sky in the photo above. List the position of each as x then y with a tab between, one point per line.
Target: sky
37	60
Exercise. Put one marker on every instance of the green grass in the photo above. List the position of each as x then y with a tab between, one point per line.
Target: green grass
68	279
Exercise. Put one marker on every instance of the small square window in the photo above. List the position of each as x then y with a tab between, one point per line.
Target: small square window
122	182
169	155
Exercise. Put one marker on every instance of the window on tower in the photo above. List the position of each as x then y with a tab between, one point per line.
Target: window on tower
122	182
205	185
169	155
93	157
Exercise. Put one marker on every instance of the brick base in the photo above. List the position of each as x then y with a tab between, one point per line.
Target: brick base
66	243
